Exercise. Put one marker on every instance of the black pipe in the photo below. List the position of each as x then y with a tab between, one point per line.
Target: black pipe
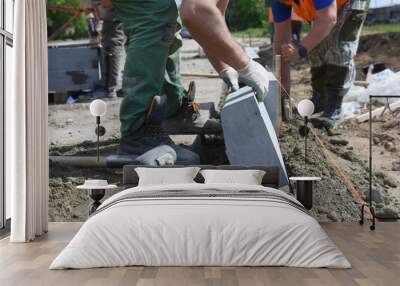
112	161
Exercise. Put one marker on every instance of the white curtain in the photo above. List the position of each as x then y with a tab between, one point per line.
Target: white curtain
26	123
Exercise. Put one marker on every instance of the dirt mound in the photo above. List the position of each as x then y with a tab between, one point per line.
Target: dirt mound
332	199
376	43
380	48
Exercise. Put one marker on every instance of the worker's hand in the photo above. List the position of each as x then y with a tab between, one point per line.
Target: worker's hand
231	78
257	77
290	52
106	4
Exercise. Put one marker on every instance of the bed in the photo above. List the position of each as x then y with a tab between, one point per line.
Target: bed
201	224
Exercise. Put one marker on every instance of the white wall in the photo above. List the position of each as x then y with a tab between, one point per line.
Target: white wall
8	70
9	24
9	12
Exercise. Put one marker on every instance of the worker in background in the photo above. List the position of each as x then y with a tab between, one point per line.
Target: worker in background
297	23
270	20
151	81
112	40
205	19
330	47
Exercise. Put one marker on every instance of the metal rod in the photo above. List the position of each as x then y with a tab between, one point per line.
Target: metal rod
98	138
305	138
372	227
370	153
279	107
209	75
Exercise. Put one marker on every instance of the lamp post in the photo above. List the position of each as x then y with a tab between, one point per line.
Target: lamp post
98	108
305	109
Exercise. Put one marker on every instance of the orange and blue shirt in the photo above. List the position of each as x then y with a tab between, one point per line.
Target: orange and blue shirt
306	9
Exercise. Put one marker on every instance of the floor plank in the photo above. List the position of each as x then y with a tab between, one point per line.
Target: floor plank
375	257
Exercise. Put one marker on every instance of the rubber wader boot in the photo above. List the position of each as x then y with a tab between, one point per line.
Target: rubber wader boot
318	85
332	110
150	135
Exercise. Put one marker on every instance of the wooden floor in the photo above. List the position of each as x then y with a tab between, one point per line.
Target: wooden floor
375	257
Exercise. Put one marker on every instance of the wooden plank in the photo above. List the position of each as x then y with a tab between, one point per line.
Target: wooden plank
279	104
365	117
375	258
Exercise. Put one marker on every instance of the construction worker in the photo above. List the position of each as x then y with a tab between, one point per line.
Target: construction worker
330	47
205	19
270	20
112	39
151	81
297	23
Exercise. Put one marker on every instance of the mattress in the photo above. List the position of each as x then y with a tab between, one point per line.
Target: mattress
201	225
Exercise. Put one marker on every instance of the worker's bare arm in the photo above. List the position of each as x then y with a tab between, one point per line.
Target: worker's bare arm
216	63
204	20
321	27
106	4
207	24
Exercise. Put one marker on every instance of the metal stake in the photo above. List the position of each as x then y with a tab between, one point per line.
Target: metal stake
98	138
305	138
372	226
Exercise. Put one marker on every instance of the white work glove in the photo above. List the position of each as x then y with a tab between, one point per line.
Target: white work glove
231	77
257	77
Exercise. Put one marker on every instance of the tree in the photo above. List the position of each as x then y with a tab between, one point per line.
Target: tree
244	14
55	19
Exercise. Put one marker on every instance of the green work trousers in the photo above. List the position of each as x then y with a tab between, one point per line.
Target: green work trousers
152	62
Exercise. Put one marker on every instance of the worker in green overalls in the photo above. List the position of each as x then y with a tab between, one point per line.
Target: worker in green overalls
151	73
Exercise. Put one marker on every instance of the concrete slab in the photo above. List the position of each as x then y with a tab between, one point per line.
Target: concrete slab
271	101
249	133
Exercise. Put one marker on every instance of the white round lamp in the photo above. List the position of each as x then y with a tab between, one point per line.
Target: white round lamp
98	108
305	109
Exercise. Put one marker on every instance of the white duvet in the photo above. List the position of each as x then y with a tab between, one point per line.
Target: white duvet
200	231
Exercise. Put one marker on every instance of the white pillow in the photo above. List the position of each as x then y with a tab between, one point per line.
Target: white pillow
247	177
166	176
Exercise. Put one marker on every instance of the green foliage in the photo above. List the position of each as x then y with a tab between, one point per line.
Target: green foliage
252	32
381	28
55	19
245	14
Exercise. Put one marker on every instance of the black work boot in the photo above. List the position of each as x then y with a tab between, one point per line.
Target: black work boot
337	78
332	110
189	119
151	135
190	109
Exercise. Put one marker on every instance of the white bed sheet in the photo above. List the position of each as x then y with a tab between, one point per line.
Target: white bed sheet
200	232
